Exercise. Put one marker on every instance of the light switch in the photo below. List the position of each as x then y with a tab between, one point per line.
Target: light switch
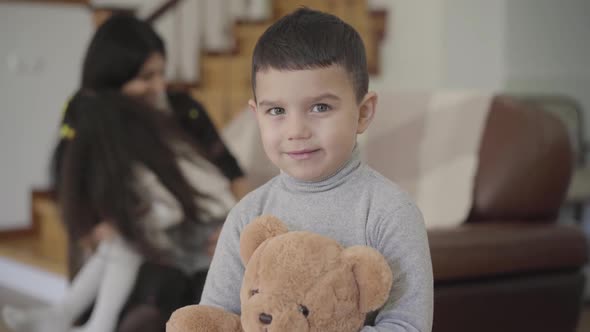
22	65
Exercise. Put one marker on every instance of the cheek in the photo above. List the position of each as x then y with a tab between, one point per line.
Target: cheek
338	140
269	136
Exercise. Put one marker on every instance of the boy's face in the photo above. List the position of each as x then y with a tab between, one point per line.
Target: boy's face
309	119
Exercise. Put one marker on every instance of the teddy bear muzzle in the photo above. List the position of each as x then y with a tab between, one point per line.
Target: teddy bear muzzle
265	318
276	320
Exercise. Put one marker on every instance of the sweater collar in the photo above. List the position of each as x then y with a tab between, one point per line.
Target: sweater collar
330	182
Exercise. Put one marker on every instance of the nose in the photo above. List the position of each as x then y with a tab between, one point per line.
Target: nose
265	318
298	127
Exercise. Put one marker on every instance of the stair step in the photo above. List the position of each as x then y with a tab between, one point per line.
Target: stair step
222	105
247	35
215	102
284	7
53	239
23	283
27	251
224	86
214	71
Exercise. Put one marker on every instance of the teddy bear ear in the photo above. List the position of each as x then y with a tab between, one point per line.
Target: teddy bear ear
373	276
256	232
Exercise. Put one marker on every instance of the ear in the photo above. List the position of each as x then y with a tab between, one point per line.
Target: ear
252	105
373	276
367	110
258	231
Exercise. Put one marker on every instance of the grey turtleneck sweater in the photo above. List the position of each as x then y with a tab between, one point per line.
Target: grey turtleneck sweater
355	206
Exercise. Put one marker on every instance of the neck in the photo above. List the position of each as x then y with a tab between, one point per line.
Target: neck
328	182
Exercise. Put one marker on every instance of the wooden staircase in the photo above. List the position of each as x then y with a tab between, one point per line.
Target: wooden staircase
44	244
224	88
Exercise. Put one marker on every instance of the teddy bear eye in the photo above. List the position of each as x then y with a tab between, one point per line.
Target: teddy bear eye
253	292
303	309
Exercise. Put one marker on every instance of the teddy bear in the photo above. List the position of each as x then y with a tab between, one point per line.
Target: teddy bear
296	281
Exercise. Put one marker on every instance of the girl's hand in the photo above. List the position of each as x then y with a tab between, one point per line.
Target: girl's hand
104	231
240	187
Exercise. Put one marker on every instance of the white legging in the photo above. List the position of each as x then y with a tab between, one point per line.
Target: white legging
107	279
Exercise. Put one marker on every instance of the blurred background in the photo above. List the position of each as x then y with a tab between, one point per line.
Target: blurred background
522	241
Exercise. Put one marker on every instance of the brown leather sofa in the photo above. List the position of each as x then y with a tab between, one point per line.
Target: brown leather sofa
511	266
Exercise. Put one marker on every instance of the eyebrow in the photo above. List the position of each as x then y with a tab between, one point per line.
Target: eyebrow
310	100
323	96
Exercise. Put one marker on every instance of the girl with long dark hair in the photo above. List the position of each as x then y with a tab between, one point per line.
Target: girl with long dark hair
130	166
142	174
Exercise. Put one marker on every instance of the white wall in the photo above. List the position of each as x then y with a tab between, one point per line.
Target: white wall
411	55
533	46
433	44
41	47
548	49
474	44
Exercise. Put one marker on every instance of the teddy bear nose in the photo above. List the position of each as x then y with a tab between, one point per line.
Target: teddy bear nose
265	318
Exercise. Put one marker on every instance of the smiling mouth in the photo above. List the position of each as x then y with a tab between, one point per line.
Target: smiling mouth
302	154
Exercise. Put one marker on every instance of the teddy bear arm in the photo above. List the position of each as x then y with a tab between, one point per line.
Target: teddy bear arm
201	318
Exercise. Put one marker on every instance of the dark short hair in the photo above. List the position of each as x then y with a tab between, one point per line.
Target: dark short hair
117	51
307	39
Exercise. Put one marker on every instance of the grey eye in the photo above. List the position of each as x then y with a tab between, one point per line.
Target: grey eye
276	111
320	108
303	310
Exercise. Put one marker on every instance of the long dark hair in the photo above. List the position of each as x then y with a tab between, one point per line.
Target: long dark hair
117	51
110	135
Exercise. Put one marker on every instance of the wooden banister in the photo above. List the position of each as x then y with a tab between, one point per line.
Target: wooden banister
161	10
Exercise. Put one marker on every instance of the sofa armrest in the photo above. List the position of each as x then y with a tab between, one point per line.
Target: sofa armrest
490	249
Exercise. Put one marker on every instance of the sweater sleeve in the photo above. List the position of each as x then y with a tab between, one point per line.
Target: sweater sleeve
401	237
224	279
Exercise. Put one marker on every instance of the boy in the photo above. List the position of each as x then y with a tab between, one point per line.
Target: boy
311	99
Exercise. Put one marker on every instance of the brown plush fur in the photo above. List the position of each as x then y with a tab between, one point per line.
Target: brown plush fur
296	281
